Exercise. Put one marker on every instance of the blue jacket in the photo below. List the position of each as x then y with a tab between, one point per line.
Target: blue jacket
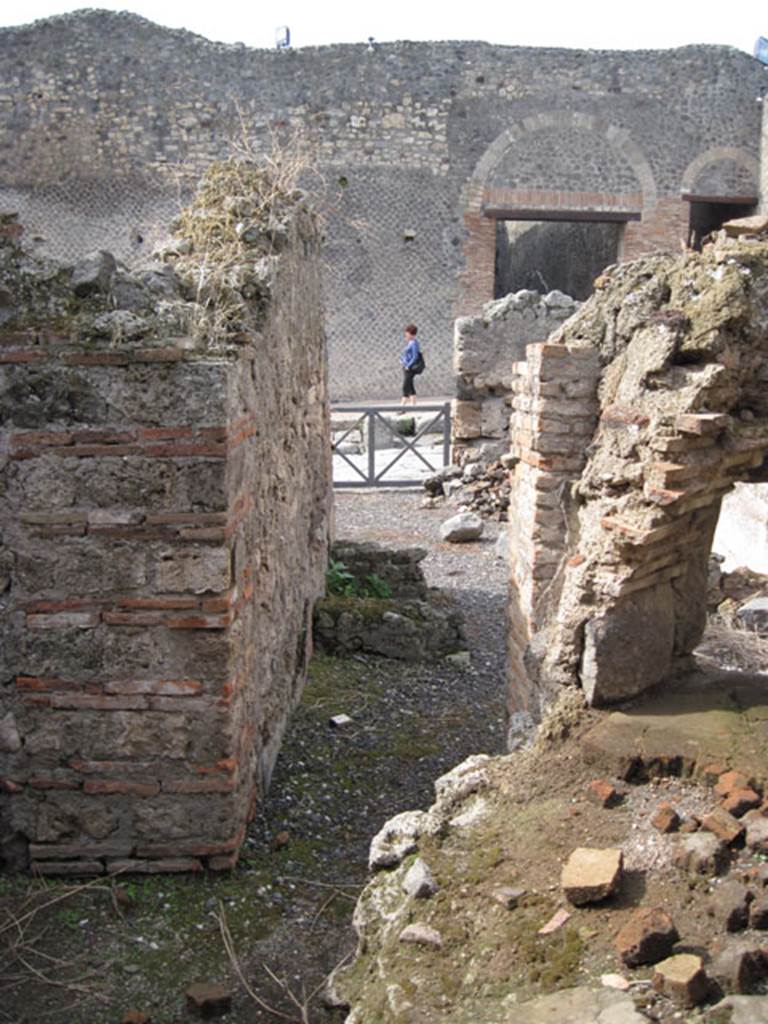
410	353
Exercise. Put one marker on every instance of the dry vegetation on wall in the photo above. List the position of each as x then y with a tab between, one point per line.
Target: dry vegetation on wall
231	234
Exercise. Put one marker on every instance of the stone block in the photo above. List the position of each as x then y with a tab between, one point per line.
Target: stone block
591	875
208	1000
461	528
682	979
737	964
419	882
757	831
729	905
701	853
421	935
628	648
603	793
758	913
647	937
739	801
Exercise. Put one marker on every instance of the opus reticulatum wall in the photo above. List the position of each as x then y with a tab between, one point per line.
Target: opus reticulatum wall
423	146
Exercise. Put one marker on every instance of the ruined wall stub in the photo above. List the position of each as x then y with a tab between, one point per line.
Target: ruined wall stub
629	425
413	161
484	349
164	535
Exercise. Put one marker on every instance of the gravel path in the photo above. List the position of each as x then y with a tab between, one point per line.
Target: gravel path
332	790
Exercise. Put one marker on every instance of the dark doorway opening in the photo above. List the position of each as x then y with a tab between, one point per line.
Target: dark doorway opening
709	213
546	255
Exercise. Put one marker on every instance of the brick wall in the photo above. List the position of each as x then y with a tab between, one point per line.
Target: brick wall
484	353
630	424
164	536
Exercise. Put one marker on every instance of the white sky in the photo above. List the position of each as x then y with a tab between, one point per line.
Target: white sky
578	24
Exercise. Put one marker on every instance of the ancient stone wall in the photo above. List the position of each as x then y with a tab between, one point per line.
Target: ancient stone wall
485	349
630	425
422	146
164	535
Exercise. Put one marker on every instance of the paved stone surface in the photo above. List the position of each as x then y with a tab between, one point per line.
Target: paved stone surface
579	1006
742	1009
707	719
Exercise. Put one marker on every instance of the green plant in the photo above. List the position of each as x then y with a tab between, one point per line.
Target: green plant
340	582
375	586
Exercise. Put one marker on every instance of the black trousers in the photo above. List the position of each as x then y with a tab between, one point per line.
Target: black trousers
408	389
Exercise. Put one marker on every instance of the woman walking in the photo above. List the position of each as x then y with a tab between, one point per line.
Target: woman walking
412	362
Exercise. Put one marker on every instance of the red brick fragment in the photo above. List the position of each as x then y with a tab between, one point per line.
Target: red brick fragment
200	622
665	818
723	825
603	793
224	862
647	937
208	1000
198	786
124	786
145	618
729	781
739	801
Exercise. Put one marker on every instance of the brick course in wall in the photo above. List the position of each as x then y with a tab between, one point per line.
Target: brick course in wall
164	536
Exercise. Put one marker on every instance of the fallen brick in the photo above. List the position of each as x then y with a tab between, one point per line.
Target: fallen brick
737	964
665	818
730	905
208	1000
647	937
723	825
729	781
739	801
603	793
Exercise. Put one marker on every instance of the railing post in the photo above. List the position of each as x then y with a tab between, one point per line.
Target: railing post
371	417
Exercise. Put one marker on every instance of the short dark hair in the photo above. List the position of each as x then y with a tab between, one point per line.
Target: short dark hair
411	329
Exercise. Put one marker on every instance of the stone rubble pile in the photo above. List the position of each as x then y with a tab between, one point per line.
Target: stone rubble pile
482	487
739	597
660	971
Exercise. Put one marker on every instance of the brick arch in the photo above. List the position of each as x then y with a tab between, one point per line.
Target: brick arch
628	431
721	155
479	195
617	138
